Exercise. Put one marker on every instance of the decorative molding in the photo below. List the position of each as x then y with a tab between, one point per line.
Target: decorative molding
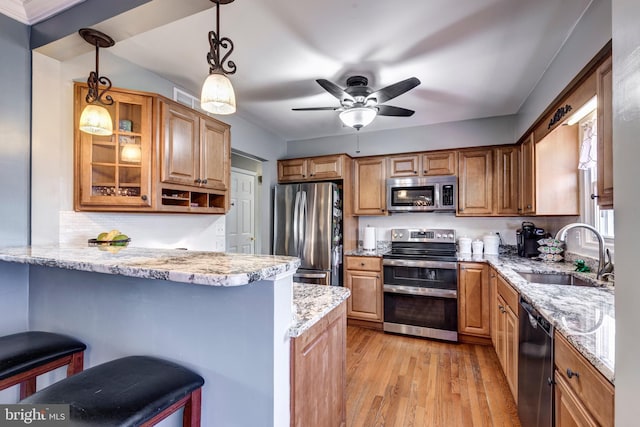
33	11
559	115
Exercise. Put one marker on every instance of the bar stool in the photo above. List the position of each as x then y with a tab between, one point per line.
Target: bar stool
131	391
25	355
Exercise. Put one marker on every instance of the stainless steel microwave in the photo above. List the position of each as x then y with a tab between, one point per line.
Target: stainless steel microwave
422	194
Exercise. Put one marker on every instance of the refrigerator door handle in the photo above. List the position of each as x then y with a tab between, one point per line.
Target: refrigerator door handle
296	214
303	219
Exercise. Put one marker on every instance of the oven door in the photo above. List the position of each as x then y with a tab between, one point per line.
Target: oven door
421	298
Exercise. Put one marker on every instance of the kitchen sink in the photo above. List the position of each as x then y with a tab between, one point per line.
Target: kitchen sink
554	278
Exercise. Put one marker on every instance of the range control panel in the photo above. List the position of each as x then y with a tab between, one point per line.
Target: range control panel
442	235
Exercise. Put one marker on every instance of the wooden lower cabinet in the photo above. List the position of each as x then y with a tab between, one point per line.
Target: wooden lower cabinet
583	396
318	373
569	411
505	332
473	299
364	280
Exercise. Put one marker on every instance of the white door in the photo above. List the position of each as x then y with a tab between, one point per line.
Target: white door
240	222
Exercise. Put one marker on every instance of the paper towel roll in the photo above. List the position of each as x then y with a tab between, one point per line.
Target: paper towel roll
369	239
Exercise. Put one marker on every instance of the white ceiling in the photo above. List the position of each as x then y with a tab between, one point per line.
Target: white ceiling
475	58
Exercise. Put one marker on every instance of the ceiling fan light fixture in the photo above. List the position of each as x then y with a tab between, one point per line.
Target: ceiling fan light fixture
358	117
217	95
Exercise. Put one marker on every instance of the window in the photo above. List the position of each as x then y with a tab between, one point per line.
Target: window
601	219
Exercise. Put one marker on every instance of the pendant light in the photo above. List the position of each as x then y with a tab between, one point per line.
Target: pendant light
95	118
217	95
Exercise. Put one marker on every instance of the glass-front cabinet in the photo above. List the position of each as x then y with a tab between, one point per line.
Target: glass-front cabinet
115	171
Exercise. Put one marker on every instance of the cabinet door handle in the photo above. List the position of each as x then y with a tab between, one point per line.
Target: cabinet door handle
572	374
204	181
377	277
424	171
144	197
415	172
198	181
528	206
362	264
594	196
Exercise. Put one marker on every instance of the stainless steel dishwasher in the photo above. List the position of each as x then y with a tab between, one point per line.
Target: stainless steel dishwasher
535	368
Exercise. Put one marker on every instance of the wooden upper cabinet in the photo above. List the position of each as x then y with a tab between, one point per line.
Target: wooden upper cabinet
325	167
319	168
180	144
423	164
292	170
604	89
475	182
370	184
215	154
556	175
401	166
507	180
113	173
527	203
195	150
439	163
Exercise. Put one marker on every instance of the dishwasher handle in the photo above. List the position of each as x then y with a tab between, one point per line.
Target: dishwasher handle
535	316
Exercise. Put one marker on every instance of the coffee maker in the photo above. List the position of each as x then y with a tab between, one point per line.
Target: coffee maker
527	238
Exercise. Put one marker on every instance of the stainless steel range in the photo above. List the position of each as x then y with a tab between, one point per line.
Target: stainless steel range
421	284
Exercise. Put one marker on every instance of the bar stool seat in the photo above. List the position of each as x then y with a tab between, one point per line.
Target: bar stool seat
131	391
25	355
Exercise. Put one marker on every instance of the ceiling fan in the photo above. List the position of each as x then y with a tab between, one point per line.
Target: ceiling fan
359	104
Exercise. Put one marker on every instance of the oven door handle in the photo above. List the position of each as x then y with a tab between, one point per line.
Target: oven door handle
427	292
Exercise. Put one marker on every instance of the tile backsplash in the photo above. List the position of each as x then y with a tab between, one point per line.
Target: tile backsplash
194	232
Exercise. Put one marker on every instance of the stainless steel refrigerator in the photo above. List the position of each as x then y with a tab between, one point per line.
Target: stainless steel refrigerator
308	225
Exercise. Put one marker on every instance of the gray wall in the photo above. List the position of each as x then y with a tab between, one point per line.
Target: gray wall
468	133
15	106
626	152
588	37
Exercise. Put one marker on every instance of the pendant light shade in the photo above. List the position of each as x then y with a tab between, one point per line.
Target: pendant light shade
358	117
96	120
217	95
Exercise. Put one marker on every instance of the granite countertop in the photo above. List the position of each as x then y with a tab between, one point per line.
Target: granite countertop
196	267
364	252
582	314
312	303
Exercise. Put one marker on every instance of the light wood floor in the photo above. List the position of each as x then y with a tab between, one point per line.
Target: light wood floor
394	380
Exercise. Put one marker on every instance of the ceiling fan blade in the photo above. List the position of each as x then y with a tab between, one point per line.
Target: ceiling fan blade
316	109
396	89
389	110
334	90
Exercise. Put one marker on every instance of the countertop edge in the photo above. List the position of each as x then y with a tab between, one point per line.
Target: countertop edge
192	267
312	303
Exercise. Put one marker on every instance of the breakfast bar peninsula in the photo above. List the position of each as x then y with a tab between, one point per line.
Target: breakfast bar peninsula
226	316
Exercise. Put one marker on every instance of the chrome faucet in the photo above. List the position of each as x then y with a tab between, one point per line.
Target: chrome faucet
562	234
